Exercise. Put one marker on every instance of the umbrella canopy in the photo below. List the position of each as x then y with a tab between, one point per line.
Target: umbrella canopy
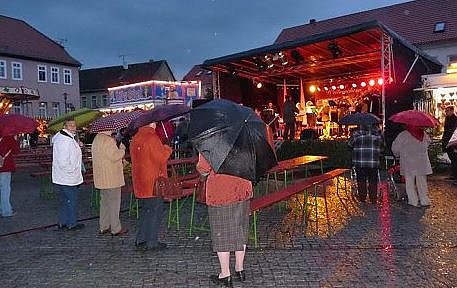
415	118
360	119
82	117
114	121
159	113
232	138
13	124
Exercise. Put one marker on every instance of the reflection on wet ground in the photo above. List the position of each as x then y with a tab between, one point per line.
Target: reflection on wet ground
351	244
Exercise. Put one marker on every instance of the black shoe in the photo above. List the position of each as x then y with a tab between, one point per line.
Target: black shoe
141	246
61	227
78	226
226	282
240	276
159	246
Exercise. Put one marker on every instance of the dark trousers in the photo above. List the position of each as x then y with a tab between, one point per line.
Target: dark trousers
453	157
67	205
151	215
289	131
364	174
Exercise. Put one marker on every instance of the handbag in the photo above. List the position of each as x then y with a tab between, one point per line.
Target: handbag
2	158
201	189
168	188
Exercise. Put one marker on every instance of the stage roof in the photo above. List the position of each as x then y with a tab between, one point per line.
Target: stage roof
341	53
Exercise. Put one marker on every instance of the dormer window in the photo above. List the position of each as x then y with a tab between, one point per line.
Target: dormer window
439	27
199	73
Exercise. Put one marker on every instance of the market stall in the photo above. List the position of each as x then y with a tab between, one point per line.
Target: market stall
366	67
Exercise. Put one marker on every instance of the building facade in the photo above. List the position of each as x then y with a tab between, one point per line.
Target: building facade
94	83
31	61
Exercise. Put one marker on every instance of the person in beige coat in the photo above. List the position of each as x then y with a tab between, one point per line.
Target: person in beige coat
411	146
108	172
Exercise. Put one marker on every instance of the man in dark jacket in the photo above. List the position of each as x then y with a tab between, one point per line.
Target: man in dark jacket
450	124
366	148
289	118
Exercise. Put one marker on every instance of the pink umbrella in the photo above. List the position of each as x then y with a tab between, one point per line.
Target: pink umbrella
415	118
13	124
114	121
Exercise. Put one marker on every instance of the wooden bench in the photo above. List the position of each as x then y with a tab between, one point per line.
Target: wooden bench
294	188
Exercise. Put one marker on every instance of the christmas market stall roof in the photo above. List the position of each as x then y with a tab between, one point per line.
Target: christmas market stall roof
363	50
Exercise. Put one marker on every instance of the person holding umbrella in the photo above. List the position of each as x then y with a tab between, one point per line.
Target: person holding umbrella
149	161
366	144
108	173
234	150
411	146
8	148
67	174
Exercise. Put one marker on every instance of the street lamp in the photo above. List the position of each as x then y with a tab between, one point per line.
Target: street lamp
65	101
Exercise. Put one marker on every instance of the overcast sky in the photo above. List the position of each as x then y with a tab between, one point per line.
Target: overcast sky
182	32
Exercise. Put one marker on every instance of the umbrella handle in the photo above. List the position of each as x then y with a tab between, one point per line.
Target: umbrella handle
164	130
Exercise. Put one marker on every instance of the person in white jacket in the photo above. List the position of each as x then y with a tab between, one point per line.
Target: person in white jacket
67	174
411	146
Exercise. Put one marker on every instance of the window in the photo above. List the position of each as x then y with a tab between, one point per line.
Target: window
42	71
17	108
27	109
16	68
93	102
83	101
67	76
439	27
2	69
43	110
104	100
56	108
55	75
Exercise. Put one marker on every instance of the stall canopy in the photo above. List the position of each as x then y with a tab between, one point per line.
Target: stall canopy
358	52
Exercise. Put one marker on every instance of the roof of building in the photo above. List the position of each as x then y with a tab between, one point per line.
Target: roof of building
20	40
414	20
199	73
97	79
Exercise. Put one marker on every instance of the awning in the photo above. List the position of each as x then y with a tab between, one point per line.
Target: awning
19	93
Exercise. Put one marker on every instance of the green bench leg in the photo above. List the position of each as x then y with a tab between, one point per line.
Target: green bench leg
255	229
192	211
133	206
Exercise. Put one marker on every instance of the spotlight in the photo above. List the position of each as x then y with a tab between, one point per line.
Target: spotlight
363	84
319	89
380	81
312	88
283	58
371	82
296	56
354	85
341	86
333	87
325	88
268	61
334	49
257	84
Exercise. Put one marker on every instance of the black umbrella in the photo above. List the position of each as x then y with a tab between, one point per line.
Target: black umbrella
232	138
159	113
360	119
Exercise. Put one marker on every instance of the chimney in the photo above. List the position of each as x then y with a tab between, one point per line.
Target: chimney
312	21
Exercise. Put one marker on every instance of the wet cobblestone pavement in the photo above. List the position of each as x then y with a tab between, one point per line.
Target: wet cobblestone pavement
358	245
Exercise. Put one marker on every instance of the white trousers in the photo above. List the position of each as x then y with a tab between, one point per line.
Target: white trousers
417	190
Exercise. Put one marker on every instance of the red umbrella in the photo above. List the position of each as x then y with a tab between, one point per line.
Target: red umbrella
114	121
13	124
415	118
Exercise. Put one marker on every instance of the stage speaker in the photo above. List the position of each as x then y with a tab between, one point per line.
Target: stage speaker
308	134
198	102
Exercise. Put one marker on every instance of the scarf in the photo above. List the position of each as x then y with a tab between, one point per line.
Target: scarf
416	132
